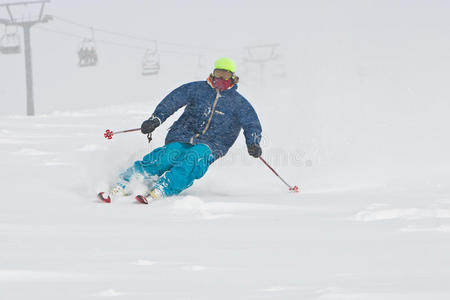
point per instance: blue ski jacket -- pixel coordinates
(210, 117)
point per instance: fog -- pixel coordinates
(353, 82)
(354, 102)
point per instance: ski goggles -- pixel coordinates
(224, 74)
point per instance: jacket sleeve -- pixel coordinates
(172, 102)
(249, 122)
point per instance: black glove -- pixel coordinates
(149, 125)
(254, 150)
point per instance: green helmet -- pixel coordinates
(225, 63)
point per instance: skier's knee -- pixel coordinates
(200, 158)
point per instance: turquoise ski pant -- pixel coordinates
(176, 164)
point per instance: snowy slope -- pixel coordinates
(236, 234)
(359, 120)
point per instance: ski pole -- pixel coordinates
(291, 188)
(109, 133)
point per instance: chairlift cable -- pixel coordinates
(61, 32)
(104, 30)
(131, 36)
(116, 43)
(82, 37)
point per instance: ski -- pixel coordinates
(141, 199)
(144, 198)
(102, 198)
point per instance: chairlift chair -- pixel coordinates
(150, 63)
(10, 43)
(87, 53)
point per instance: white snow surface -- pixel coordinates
(236, 234)
(355, 111)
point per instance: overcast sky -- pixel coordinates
(326, 45)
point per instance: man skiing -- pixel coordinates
(212, 119)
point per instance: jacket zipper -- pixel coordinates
(212, 113)
(209, 120)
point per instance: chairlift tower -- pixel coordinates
(261, 55)
(26, 24)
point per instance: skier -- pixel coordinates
(213, 117)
